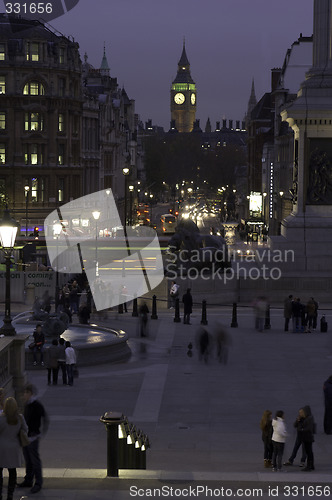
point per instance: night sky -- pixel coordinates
(228, 43)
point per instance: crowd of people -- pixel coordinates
(303, 315)
(59, 356)
(274, 436)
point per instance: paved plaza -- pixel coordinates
(202, 419)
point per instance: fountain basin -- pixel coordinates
(93, 344)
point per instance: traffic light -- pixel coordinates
(36, 232)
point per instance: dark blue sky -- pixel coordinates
(228, 43)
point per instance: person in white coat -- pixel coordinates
(278, 440)
(70, 362)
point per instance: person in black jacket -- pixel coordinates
(306, 431)
(187, 306)
(298, 442)
(327, 388)
(297, 311)
(267, 431)
(37, 422)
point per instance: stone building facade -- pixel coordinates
(66, 128)
(40, 119)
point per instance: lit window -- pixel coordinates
(61, 154)
(62, 55)
(61, 184)
(2, 154)
(33, 88)
(2, 120)
(33, 154)
(33, 122)
(34, 189)
(61, 122)
(2, 84)
(32, 51)
(2, 52)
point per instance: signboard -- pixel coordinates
(255, 202)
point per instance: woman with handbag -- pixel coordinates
(11, 456)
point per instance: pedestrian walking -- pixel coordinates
(298, 442)
(278, 440)
(37, 422)
(203, 344)
(222, 341)
(123, 297)
(267, 431)
(11, 456)
(288, 307)
(52, 363)
(74, 298)
(39, 341)
(311, 311)
(70, 362)
(62, 360)
(187, 306)
(260, 308)
(307, 430)
(327, 389)
(143, 319)
(174, 293)
(297, 309)
(314, 323)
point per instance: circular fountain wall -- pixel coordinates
(93, 344)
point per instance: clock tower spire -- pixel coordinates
(183, 96)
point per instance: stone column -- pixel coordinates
(322, 40)
(17, 367)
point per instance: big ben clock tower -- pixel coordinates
(183, 96)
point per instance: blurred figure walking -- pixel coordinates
(203, 344)
(143, 318)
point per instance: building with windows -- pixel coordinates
(66, 128)
(40, 119)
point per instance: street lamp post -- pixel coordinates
(264, 206)
(26, 189)
(131, 189)
(57, 228)
(96, 215)
(151, 214)
(8, 231)
(126, 172)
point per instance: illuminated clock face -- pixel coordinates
(193, 99)
(179, 98)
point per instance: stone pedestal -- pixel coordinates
(309, 236)
(308, 230)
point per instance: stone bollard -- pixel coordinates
(234, 316)
(135, 309)
(154, 308)
(204, 320)
(112, 420)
